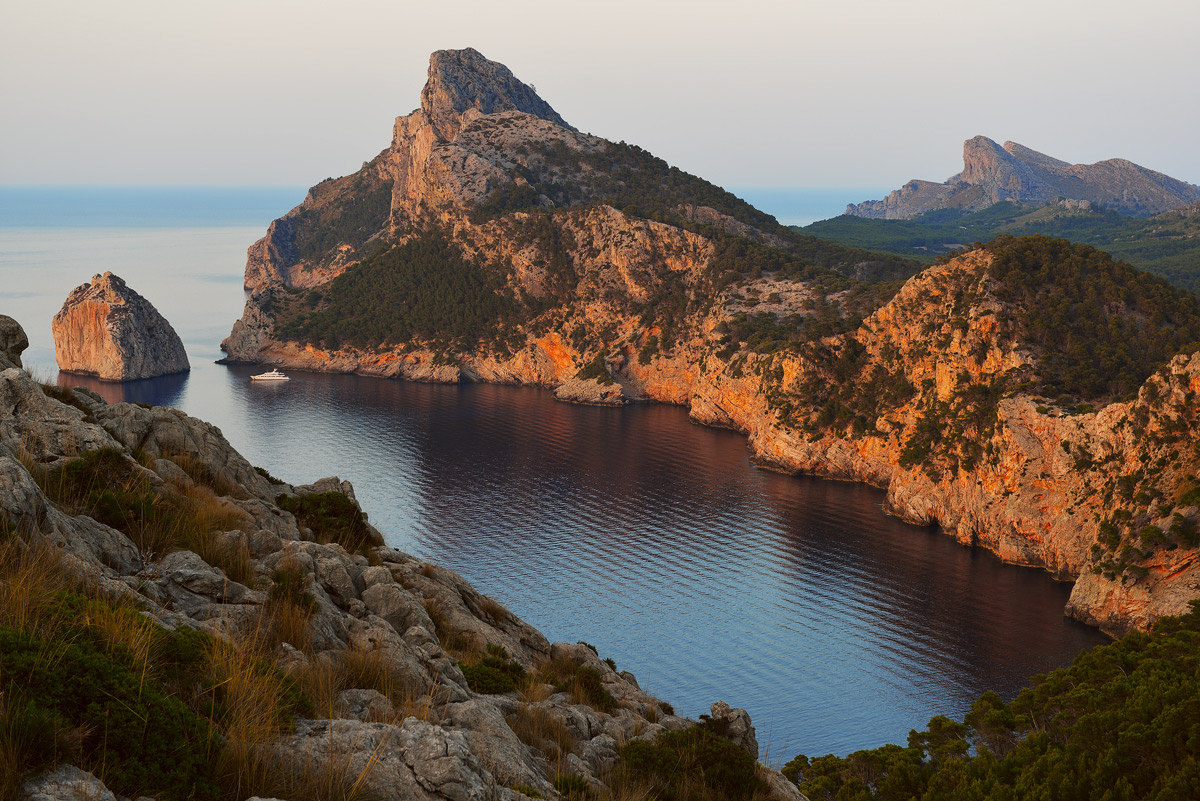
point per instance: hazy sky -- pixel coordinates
(742, 92)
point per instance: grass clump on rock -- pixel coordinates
(332, 517)
(494, 674)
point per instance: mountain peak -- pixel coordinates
(460, 80)
(992, 173)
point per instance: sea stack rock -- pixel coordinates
(107, 330)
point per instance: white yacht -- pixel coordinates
(274, 375)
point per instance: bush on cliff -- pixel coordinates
(1122, 722)
(1101, 326)
(692, 764)
(333, 518)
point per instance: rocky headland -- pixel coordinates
(1031, 397)
(108, 330)
(1016, 173)
(265, 642)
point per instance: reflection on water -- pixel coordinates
(165, 390)
(655, 540)
(837, 627)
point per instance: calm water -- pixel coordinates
(654, 539)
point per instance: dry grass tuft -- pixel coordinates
(372, 670)
(284, 621)
(493, 609)
(559, 670)
(30, 577)
(533, 688)
(428, 571)
(538, 728)
(204, 476)
(623, 786)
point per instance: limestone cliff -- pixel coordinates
(384, 659)
(988, 394)
(992, 173)
(108, 330)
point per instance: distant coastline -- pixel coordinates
(209, 206)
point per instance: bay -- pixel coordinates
(654, 539)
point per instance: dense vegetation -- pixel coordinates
(346, 210)
(694, 763)
(424, 289)
(620, 175)
(1122, 722)
(1167, 244)
(1100, 326)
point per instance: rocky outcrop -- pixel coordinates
(13, 342)
(460, 80)
(434, 737)
(108, 330)
(992, 173)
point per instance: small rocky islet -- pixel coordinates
(108, 330)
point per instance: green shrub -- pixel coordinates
(136, 738)
(495, 674)
(596, 369)
(1121, 722)
(333, 518)
(680, 763)
(262, 471)
(586, 682)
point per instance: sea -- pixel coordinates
(655, 540)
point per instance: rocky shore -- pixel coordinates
(417, 685)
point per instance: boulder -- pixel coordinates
(12, 342)
(735, 726)
(108, 330)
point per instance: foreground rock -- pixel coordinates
(992, 173)
(108, 330)
(432, 736)
(13, 342)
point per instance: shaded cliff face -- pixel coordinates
(108, 330)
(593, 269)
(992, 173)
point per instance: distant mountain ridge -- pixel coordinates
(992, 174)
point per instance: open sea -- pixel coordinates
(654, 539)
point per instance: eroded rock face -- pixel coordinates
(992, 173)
(108, 330)
(463, 79)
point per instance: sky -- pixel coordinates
(741, 92)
